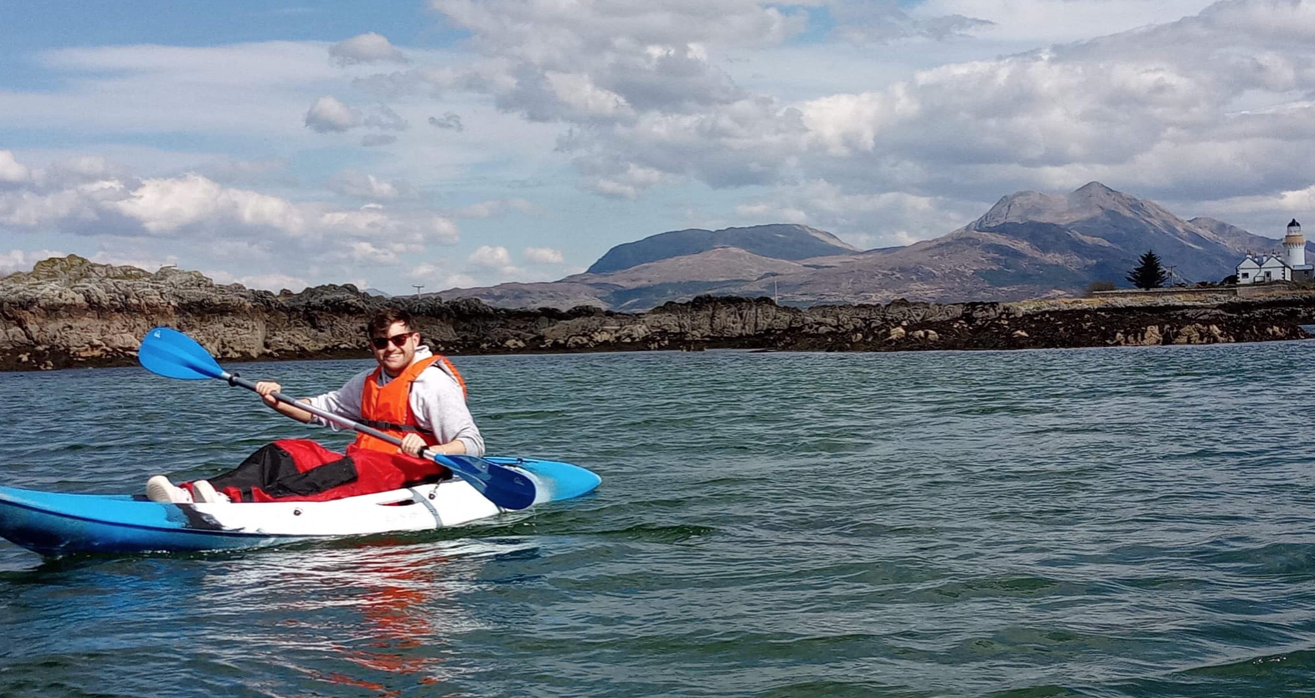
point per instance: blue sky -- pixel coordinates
(460, 143)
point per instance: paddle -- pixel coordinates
(173, 354)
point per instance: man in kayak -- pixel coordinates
(413, 394)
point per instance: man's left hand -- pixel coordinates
(412, 445)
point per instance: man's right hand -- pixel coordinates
(266, 390)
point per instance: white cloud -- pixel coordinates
(230, 170)
(366, 48)
(495, 207)
(22, 260)
(459, 281)
(544, 255)
(328, 115)
(404, 231)
(12, 170)
(358, 184)
(170, 204)
(1053, 21)
(444, 230)
(384, 118)
(423, 271)
(491, 256)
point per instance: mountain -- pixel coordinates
(1029, 245)
(792, 242)
(1032, 245)
(676, 265)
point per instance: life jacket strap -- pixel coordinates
(389, 426)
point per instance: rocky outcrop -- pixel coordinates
(72, 312)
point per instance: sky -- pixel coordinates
(458, 143)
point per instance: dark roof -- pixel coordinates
(1294, 222)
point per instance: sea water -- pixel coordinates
(1102, 522)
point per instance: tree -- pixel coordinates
(1149, 273)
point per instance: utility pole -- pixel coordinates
(417, 287)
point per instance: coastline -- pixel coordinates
(70, 313)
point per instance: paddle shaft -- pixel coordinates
(244, 383)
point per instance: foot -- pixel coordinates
(205, 493)
(159, 489)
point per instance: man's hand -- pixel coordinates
(266, 389)
(412, 445)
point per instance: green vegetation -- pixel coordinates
(1149, 273)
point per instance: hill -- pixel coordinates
(791, 242)
(1028, 245)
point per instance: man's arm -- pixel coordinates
(345, 402)
(266, 389)
(440, 408)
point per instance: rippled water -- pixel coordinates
(1128, 522)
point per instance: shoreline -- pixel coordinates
(70, 313)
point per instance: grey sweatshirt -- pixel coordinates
(436, 400)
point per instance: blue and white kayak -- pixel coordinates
(55, 524)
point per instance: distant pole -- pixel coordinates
(417, 287)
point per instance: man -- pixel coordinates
(413, 394)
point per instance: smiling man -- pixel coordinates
(413, 394)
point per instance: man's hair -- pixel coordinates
(383, 319)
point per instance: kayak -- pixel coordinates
(55, 524)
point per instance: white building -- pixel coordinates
(1291, 266)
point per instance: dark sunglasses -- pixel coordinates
(398, 340)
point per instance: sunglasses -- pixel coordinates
(398, 340)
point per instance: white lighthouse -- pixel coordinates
(1294, 246)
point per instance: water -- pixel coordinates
(1129, 522)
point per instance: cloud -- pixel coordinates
(199, 216)
(328, 115)
(403, 231)
(11, 170)
(366, 48)
(384, 118)
(544, 255)
(865, 220)
(21, 260)
(358, 184)
(371, 140)
(861, 21)
(1053, 21)
(450, 121)
(491, 256)
(495, 207)
(194, 201)
(230, 171)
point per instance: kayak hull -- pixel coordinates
(55, 524)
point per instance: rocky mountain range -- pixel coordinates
(70, 312)
(1029, 245)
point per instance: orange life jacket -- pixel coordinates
(388, 408)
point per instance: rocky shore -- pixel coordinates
(69, 312)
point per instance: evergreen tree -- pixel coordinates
(1149, 273)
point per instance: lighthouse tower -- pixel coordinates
(1294, 246)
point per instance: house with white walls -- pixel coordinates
(1290, 266)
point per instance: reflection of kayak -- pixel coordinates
(56, 524)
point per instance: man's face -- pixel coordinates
(399, 347)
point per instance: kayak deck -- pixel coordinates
(55, 524)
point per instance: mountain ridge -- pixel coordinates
(1028, 245)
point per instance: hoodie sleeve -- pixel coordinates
(439, 405)
(345, 402)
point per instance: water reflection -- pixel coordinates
(379, 615)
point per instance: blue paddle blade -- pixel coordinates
(173, 354)
(503, 486)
